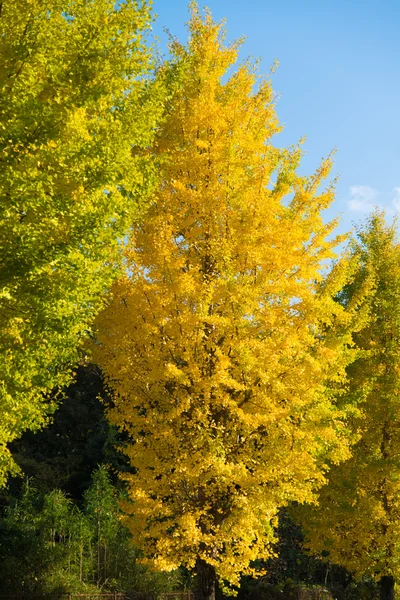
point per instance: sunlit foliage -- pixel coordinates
(357, 521)
(223, 340)
(74, 101)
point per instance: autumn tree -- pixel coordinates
(75, 105)
(357, 521)
(216, 342)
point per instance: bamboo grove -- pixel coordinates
(151, 224)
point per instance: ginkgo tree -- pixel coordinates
(357, 521)
(223, 340)
(75, 105)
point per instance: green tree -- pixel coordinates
(19, 542)
(80, 559)
(48, 545)
(223, 340)
(75, 103)
(357, 520)
(115, 563)
(101, 506)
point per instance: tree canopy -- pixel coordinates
(223, 341)
(148, 217)
(356, 523)
(75, 101)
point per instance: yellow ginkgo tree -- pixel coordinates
(75, 105)
(357, 521)
(223, 342)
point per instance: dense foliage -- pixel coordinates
(250, 376)
(74, 100)
(61, 461)
(359, 509)
(50, 546)
(60, 528)
(223, 340)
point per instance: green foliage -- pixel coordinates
(75, 99)
(50, 546)
(101, 508)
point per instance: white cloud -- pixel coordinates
(396, 199)
(363, 198)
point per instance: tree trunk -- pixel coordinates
(386, 588)
(206, 581)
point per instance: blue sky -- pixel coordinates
(338, 81)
